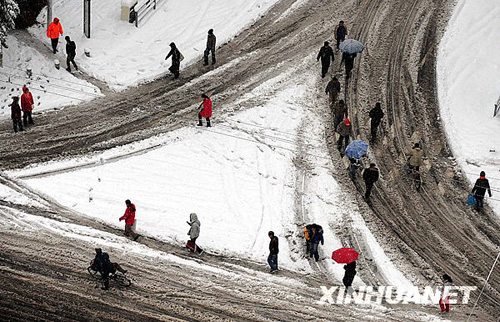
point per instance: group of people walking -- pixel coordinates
(54, 30)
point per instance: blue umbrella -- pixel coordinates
(351, 46)
(356, 149)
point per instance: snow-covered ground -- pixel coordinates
(240, 177)
(469, 85)
(51, 88)
(123, 55)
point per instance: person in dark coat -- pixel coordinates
(479, 190)
(15, 111)
(211, 41)
(370, 176)
(205, 110)
(350, 272)
(71, 52)
(325, 53)
(348, 59)
(344, 130)
(316, 238)
(104, 266)
(339, 110)
(272, 259)
(176, 60)
(340, 33)
(376, 114)
(333, 90)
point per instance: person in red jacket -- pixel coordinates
(206, 110)
(129, 217)
(53, 31)
(27, 105)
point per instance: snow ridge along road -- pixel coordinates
(434, 230)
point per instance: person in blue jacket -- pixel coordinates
(316, 238)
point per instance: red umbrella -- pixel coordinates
(345, 255)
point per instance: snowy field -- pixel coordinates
(469, 85)
(51, 88)
(240, 177)
(123, 55)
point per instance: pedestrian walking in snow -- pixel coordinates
(340, 33)
(194, 233)
(370, 176)
(350, 272)
(53, 31)
(348, 59)
(129, 218)
(325, 53)
(339, 110)
(344, 130)
(333, 90)
(444, 301)
(479, 190)
(15, 110)
(316, 238)
(71, 52)
(205, 110)
(211, 41)
(416, 159)
(27, 105)
(272, 259)
(307, 236)
(376, 114)
(176, 60)
(104, 266)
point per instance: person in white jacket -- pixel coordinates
(194, 233)
(444, 301)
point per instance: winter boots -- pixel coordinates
(200, 123)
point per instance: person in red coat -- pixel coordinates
(16, 114)
(206, 110)
(27, 104)
(129, 218)
(53, 31)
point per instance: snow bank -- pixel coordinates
(468, 69)
(51, 88)
(123, 55)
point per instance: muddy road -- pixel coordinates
(433, 230)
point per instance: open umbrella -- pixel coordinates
(356, 149)
(345, 255)
(351, 46)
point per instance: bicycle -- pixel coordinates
(118, 277)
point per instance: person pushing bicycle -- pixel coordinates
(104, 266)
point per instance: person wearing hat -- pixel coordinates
(325, 53)
(53, 31)
(344, 130)
(205, 110)
(194, 233)
(370, 176)
(479, 190)
(27, 105)
(129, 218)
(211, 40)
(176, 60)
(15, 111)
(71, 52)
